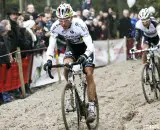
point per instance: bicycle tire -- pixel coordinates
(156, 78)
(73, 123)
(147, 77)
(94, 124)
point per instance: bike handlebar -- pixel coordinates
(132, 51)
(68, 65)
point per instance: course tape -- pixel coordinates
(32, 50)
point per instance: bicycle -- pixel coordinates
(74, 102)
(150, 76)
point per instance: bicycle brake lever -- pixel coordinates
(49, 73)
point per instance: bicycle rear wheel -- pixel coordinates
(150, 82)
(70, 108)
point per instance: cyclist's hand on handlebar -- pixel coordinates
(47, 65)
(82, 58)
(134, 49)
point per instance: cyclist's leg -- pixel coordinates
(67, 59)
(145, 46)
(91, 93)
(89, 69)
(90, 83)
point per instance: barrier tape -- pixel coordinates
(32, 50)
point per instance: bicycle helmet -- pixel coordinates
(144, 14)
(64, 11)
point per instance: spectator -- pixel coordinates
(29, 24)
(14, 33)
(49, 21)
(133, 22)
(96, 30)
(78, 12)
(42, 39)
(110, 25)
(5, 45)
(41, 20)
(85, 14)
(125, 26)
(31, 11)
(104, 33)
(4, 49)
(48, 10)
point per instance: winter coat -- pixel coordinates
(4, 49)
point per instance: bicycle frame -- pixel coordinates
(76, 101)
(73, 72)
(78, 70)
(150, 74)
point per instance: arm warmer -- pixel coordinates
(90, 46)
(51, 47)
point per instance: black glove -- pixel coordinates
(82, 58)
(48, 64)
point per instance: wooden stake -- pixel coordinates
(19, 60)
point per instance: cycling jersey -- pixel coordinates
(77, 37)
(149, 32)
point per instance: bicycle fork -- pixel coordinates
(81, 104)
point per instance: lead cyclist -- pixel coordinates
(79, 47)
(146, 27)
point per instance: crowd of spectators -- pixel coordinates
(31, 29)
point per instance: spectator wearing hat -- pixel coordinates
(29, 24)
(14, 33)
(41, 20)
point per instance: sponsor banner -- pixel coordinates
(109, 51)
(117, 50)
(39, 76)
(101, 53)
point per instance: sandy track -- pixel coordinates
(122, 104)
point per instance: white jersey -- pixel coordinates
(77, 33)
(74, 34)
(149, 32)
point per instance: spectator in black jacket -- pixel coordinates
(4, 46)
(14, 33)
(125, 26)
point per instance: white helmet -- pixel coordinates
(64, 11)
(144, 14)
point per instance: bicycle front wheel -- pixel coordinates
(69, 108)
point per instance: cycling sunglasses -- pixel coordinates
(64, 20)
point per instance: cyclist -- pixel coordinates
(79, 47)
(146, 27)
